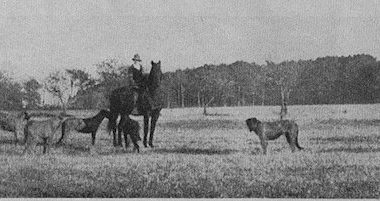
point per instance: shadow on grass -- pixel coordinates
(8, 141)
(217, 115)
(11, 152)
(337, 123)
(199, 124)
(195, 151)
(72, 149)
(348, 140)
(350, 150)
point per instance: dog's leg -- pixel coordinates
(291, 141)
(264, 143)
(15, 134)
(28, 144)
(45, 139)
(135, 144)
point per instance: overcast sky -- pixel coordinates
(40, 36)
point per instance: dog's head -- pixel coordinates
(252, 124)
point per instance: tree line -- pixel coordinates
(327, 80)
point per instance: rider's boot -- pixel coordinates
(135, 97)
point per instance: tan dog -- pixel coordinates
(273, 130)
(13, 122)
(44, 130)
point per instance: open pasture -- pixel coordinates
(209, 156)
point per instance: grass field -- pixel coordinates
(209, 156)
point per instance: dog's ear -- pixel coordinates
(249, 124)
(256, 121)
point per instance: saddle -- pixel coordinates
(144, 101)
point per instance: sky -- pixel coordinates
(41, 36)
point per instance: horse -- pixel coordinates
(149, 105)
(87, 125)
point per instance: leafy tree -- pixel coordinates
(80, 79)
(85, 87)
(31, 94)
(11, 94)
(113, 74)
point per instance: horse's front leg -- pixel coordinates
(146, 129)
(114, 137)
(153, 122)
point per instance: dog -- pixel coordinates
(273, 130)
(37, 130)
(87, 125)
(132, 128)
(14, 122)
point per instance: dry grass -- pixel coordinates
(213, 156)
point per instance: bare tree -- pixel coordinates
(285, 75)
(60, 85)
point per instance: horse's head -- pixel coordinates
(155, 75)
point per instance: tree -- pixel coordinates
(59, 85)
(11, 94)
(85, 88)
(113, 74)
(31, 94)
(80, 79)
(285, 75)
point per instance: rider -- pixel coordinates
(135, 73)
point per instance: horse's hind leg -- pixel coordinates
(146, 129)
(112, 126)
(93, 135)
(120, 130)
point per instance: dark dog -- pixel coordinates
(132, 128)
(273, 130)
(88, 125)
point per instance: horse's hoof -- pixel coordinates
(151, 145)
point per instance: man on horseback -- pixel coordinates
(136, 80)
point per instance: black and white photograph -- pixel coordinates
(190, 99)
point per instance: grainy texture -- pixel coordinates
(191, 159)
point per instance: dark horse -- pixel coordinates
(149, 105)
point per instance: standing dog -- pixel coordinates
(44, 130)
(132, 128)
(13, 122)
(273, 130)
(88, 125)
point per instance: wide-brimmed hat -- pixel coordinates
(136, 57)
